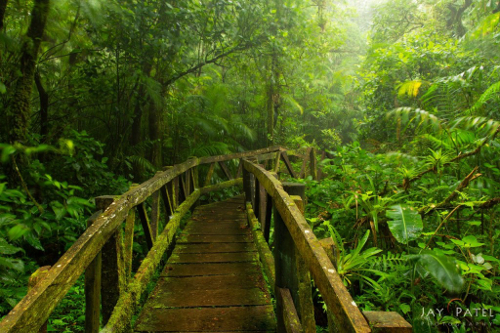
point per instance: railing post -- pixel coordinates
(247, 185)
(266, 219)
(155, 212)
(288, 264)
(93, 289)
(34, 279)
(112, 277)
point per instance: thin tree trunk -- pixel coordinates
(155, 134)
(20, 103)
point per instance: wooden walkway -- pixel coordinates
(213, 281)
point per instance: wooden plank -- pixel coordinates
(184, 258)
(288, 164)
(290, 317)
(387, 322)
(215, 248)
(201, 269)
(164, 299)
(250, 318)
(233, 281)
(221, 228)
(93, 289)
(146, 226)
(329, 283)
(193, 238)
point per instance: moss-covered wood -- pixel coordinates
(290, 317)
(387, 322)
(128, 301)
(336, 296)
(265, 254)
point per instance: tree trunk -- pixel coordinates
(20, 102)
(155, 134)
(44, 107)
(3, 8)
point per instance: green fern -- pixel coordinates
(492, 93)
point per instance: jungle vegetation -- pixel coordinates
(403, 96)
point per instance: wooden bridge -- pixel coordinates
(220, 273)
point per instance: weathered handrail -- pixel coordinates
(329, 283)
(297, 250)
(35, 308)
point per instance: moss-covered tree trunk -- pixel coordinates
(20, 103)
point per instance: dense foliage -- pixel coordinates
(402, 95)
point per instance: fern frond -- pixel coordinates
(142, 163)
(423, 117)
(388, 261)
(210, 149)
(437, 142)
(493, 92)
(483, 125)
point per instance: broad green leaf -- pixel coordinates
(443, 269)
(6, 248)
(405, 223)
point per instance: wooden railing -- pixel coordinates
(298, 255)
(104, 251)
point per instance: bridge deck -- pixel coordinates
(213, 281)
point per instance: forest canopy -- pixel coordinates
(402, 97)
